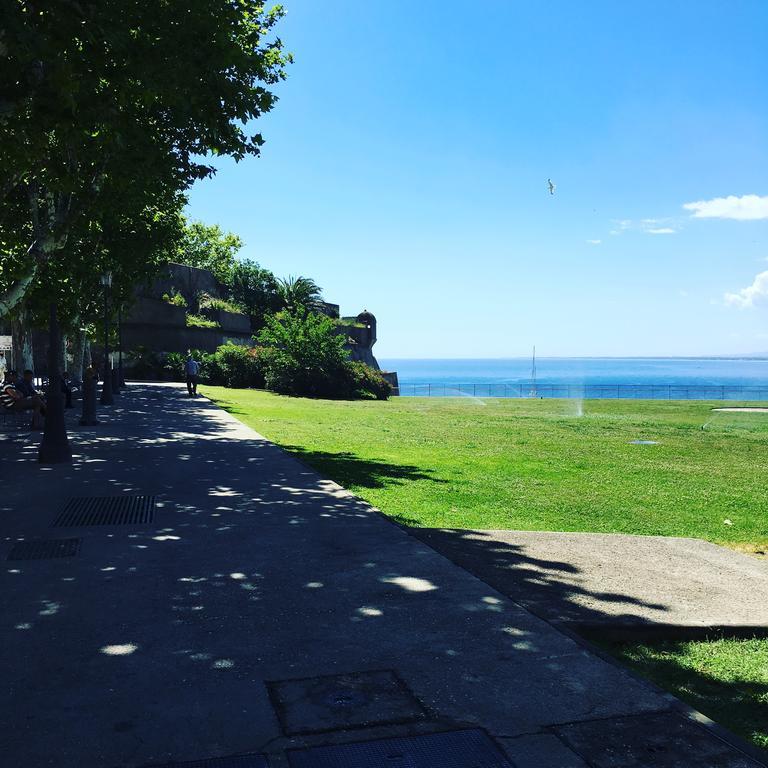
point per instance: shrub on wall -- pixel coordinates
(175, 298)
(198, 321)
(208, 304)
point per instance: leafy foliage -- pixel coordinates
(176, 299)
(255, 289)
(198, 321)
(367, 383)
(299, 293)
(207, 302)
(110, 112)
(207, 246)
(303, 356)
(238, 366)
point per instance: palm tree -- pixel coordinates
(299, 293)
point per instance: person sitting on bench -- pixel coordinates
(26, 385)
(13, 399)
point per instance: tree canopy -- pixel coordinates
(102, 101)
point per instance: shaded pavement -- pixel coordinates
(172, 640)
(619, 585)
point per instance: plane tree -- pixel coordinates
(95, 92)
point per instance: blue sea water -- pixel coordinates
(677, 378)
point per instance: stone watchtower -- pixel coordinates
(367, 319)
(361, 336)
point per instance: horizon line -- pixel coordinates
(594, 357)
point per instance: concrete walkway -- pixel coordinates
(173, 640)
(624, 586)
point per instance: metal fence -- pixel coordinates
(590, 391)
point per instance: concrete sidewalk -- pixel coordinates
(173, 640)
(619, 585)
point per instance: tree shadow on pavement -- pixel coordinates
(552, 589)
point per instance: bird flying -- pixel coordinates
(552, 187)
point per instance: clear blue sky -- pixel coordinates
(406, 164)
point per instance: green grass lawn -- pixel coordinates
(727, 680)
(533, 464)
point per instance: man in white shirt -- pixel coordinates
(192, 368)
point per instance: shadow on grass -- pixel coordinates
(348, 469)
(740, 704)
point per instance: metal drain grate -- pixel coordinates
(455, 749)
(106, 510)
(44, 549)
(241, 761)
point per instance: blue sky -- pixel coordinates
(406, 164)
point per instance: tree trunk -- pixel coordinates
(63, 354)
(13, 296)
(21, 331)
(55, 446)
(78, 357)
(87, 355)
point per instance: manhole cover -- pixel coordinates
(106, 510)
(44, 549)
(456, 749)
(317, 704)
(241, 761)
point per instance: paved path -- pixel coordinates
(168, 641)
(626, 585)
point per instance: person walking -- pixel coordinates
(192, 368)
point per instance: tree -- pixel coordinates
(299, 293)
(256, 290)
(125, 89)
(96, 95)
(207, 246)
(304, 355)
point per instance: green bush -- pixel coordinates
(236, 366)
(173, 366)
(144, 363)
(175, 298)
(305, 355)
(198, 321)
(366, 382)
(213, 303)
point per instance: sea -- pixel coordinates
(584, 377)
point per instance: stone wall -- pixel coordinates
(188, 281)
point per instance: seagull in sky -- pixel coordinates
(552, 187)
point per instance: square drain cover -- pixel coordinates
(241, 761)
(456, 749)
(106, 510)
(44, 549)
(336, 702)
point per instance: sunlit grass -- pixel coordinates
(533, 464)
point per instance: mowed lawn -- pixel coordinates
(533, 464)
